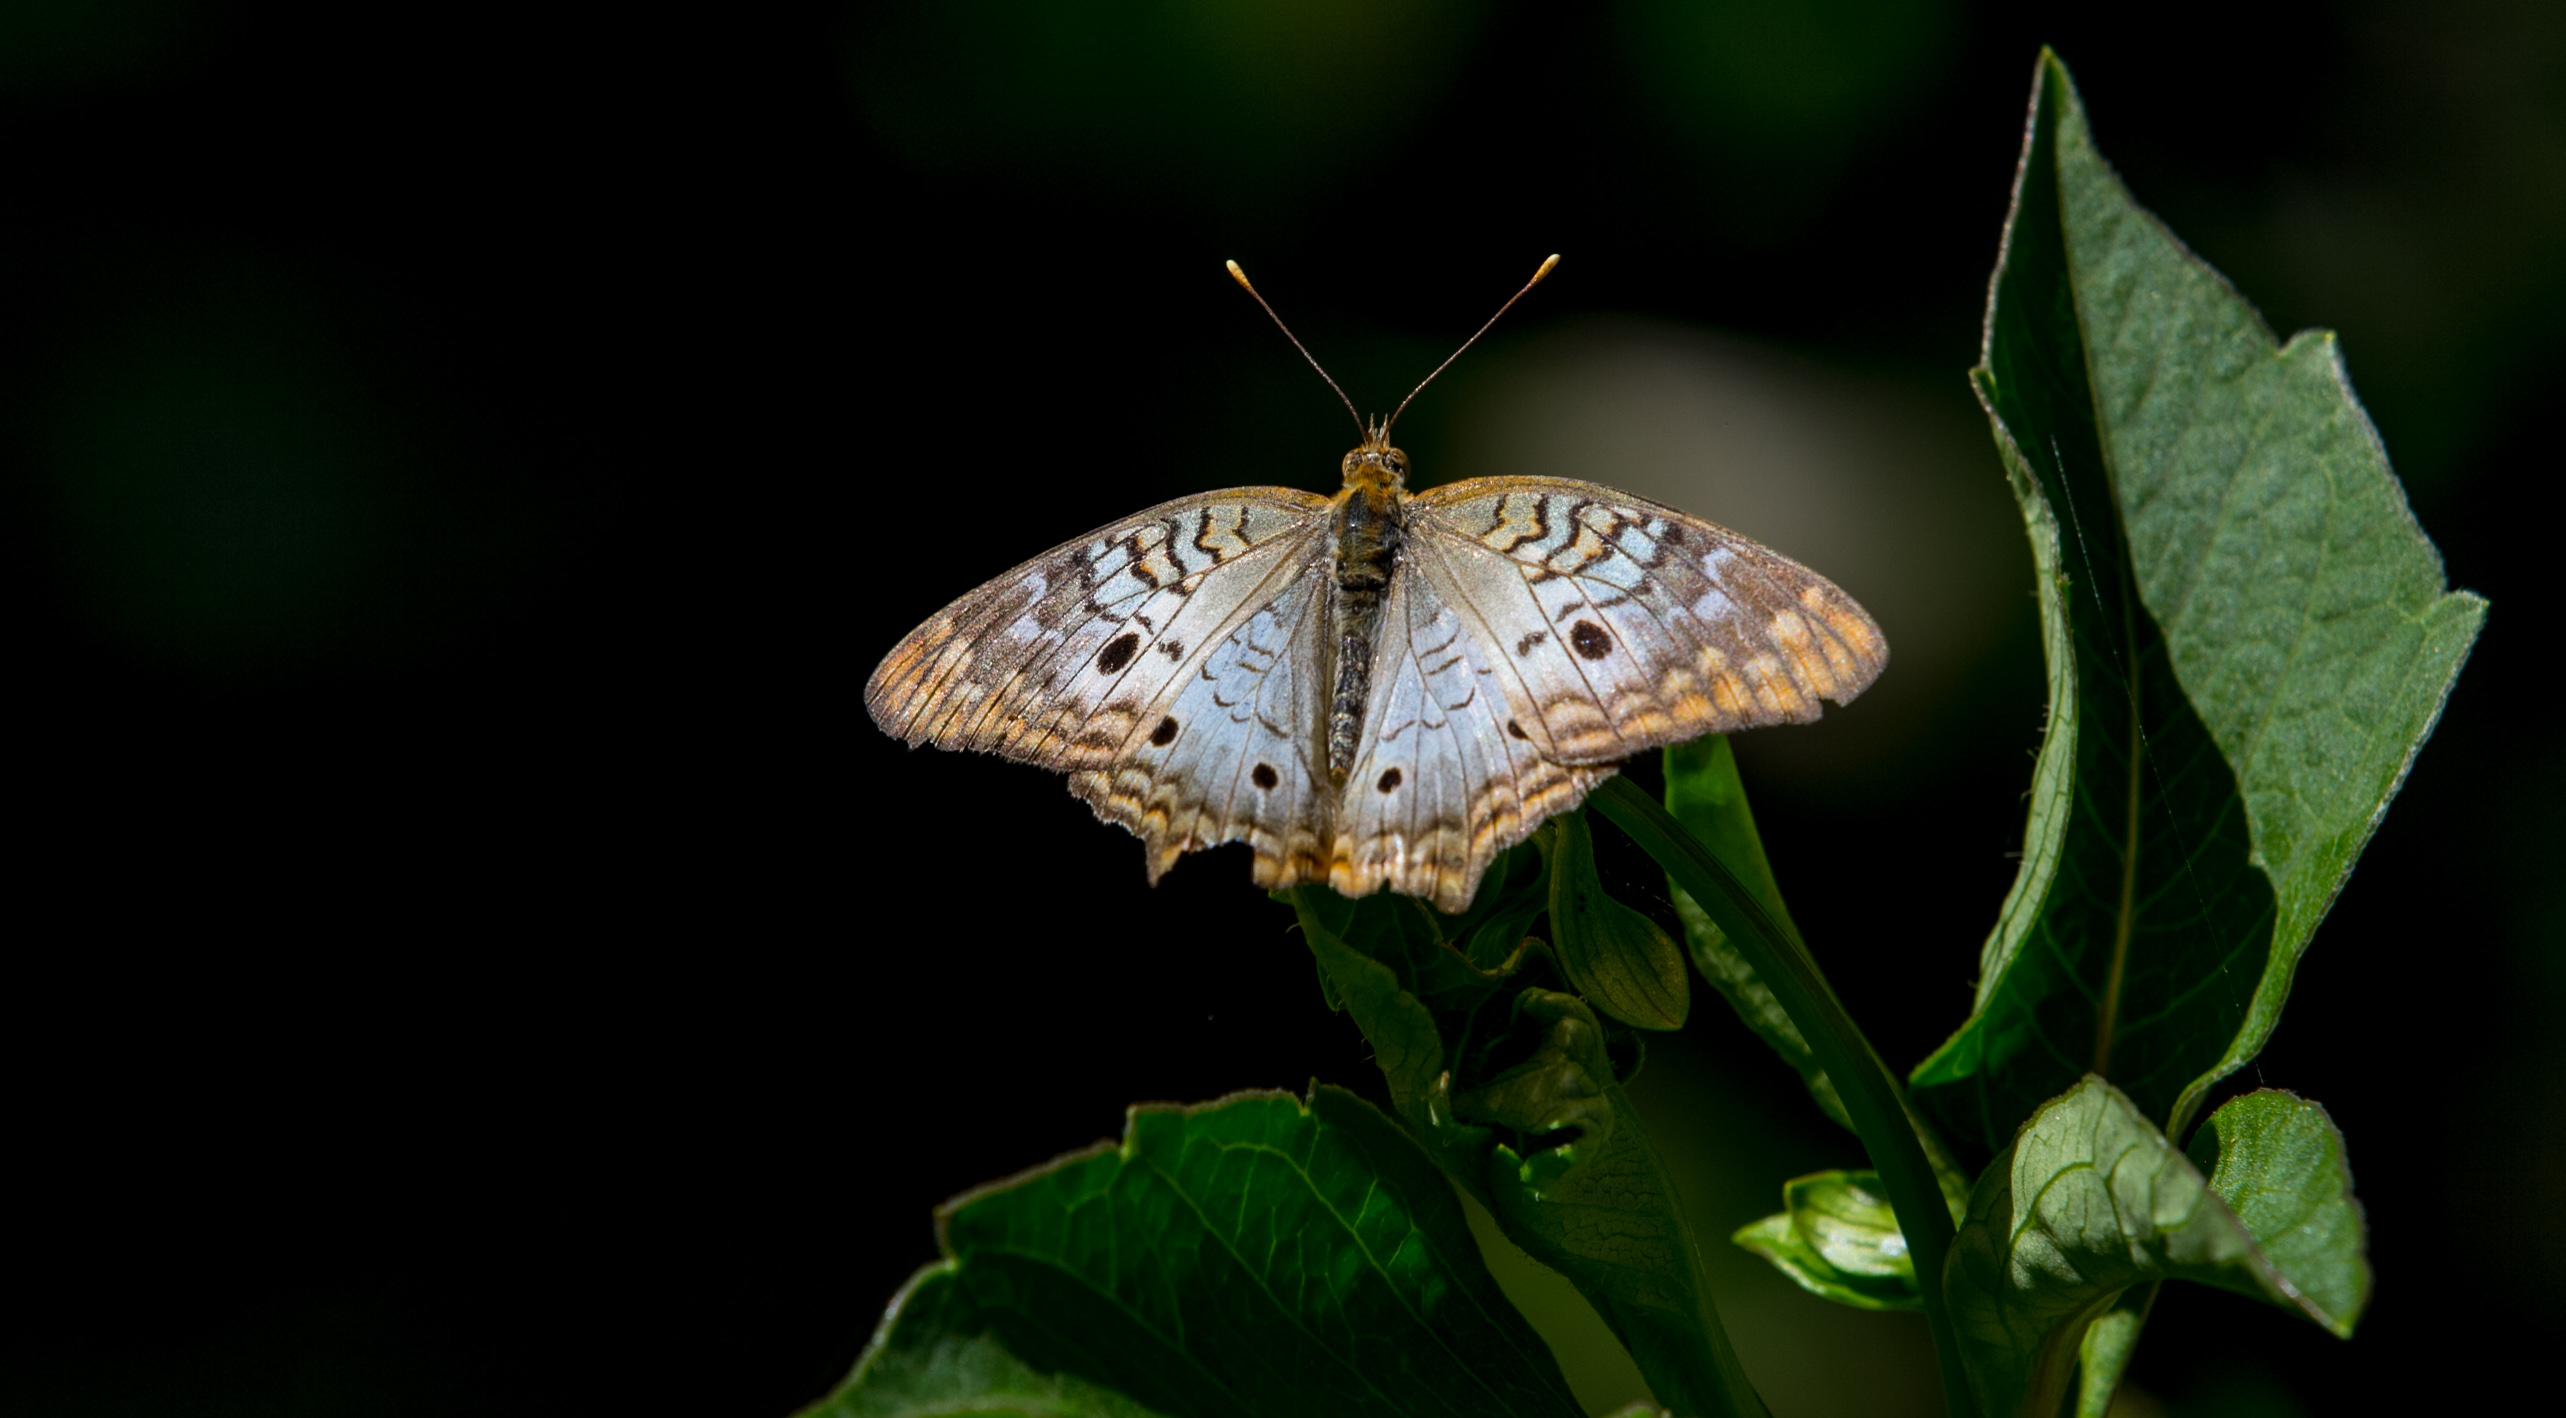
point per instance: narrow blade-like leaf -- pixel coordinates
(1257, 1255)
(1703, 793)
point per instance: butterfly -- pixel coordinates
(1379, 688)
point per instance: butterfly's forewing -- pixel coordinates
(1438, 786)
(1232, 749)
(1622, 625)
(1058, 661)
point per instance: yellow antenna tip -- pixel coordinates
(1241, 276)
(1545, 266)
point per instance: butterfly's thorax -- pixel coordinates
(1370, 526)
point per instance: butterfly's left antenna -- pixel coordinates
(1241, 277)
(1466, 344)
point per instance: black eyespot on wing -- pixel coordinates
(1264, 777)
(1118, 652)
(1590, 640)
(1390, 780)
(1164, 734)
(1517, 730)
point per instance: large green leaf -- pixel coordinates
(2090, 1201)
(2248, 642)
(1256, 1255)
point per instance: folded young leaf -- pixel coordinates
(1614, 956)
(1836, 1236)
(2277, 1160)
(1257, 1255)
(1401, 1029)
(2090, 1200)
(2248, 641)
(1703, 793)
(1609, 1219)
(1597, 1206)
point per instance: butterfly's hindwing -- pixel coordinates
(1624, 625)
(1232, 751)
(1438, 786)
(1055, 661)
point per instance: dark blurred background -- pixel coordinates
(473, 953)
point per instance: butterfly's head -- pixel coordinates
(1377, 465)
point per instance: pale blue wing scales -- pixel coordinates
(1439, 784)
(1232, 752)
(1055, 661)
(1625, 625)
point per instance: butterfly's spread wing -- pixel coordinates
(1057, 661)
(1620, 625)
(1171, 663)
(1438, 785)
(1232, 750)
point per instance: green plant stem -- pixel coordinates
(1871, 1095)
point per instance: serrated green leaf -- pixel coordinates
(1837, 1237)
(2277, 1160)
(1703, 792)
(1256, 1255)
(2248, 641)
(1616, 957)
(2089, 1201)
(931, 1359)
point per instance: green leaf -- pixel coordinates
(2277, 1160)
(1563, 1087)
(2248, 641)
(1837, 1236)
(1616, 957)
(2089, 1201)
(1250, 1256)
(931, 1358)
(1401, 1030)
(1703, 793)
(2103, 1356)
(1584, 1192)
(1603, 1212)
(1899, 1144)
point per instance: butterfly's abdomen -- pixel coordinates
(1370, 530)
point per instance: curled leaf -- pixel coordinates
(1614, 956)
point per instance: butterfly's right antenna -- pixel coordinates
(1474, 339)
(1241, 277)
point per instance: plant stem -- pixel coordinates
(1871, 1094)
